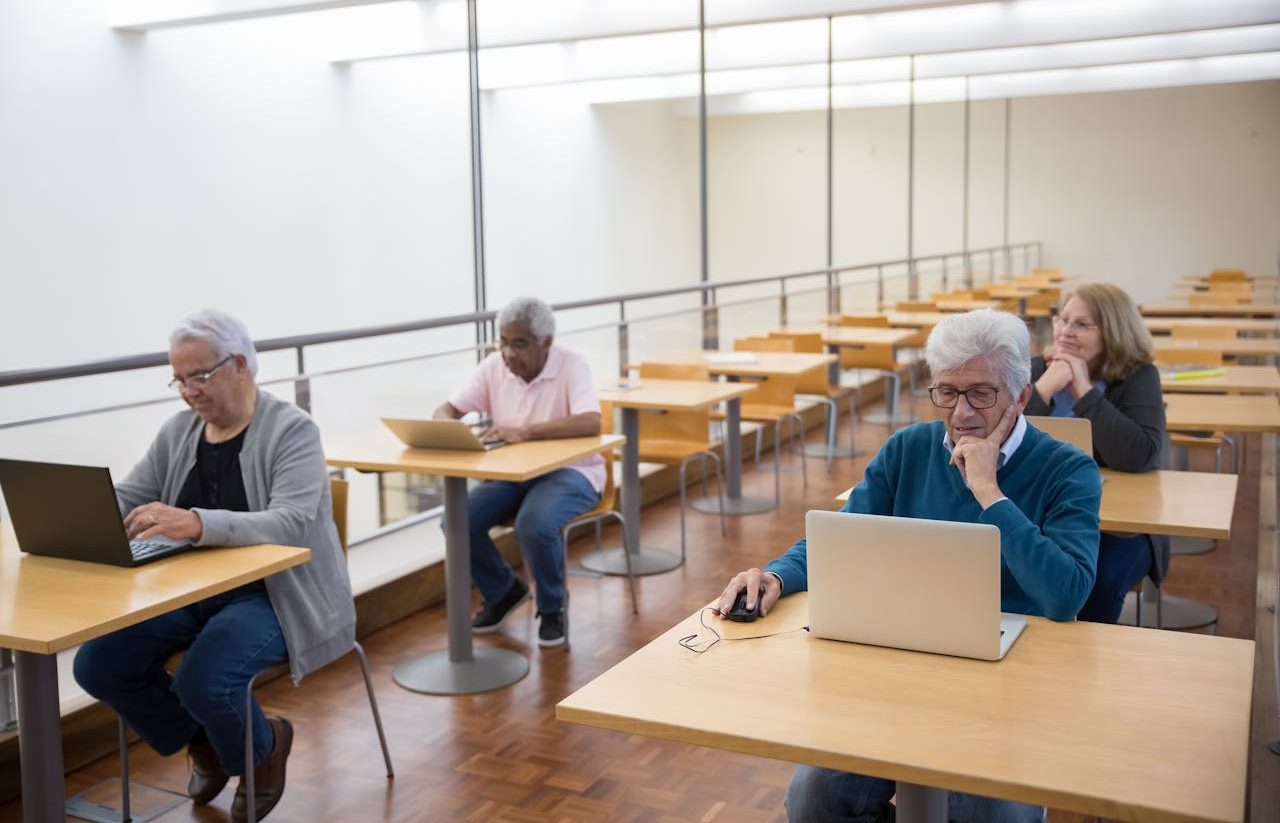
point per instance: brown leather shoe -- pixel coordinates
(268, 776)
(207, 775)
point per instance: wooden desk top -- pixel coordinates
(1006, 292)
(1186, 309)
(379, 451)
(48, 604)
(1222, 412)
(1051, 724)
(965, 305)
(672, 394)
(856, 335)
(1248, 346)
(897, 319)
(1238, 379)
(1178, 504)
(1164, 325)
(767, 363)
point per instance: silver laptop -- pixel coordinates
(438, 434)
(925, 585)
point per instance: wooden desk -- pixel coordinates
(1178, 504)
(763, 365)
(663, 395)
(858, 337)
(897, 319)
(1236, 380)
(1051, 724)
(1164, 325)
(48, 605)
(1176, 309)
(965, 305)
(1240, 346)
(462, 669)
(1211, 412)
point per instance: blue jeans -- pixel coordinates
(827, 796)
(1122, 561)
(228, 639)
(541, 507)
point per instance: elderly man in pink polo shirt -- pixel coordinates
(532, 390)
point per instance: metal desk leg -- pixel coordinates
(39, 736)
(921, 804)
(734, 502)
(643, 561)
(461, 669)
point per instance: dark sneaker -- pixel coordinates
(551, 629)
(490, 618)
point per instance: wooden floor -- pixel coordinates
(503, 757)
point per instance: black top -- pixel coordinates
(215, 481)
(1128, 431)
(1127, 418)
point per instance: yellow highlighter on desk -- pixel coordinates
(1196, 372)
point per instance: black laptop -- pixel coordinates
(67, 511)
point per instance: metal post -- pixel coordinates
(1008, 110)
(879, 288)
(968, 270)
(302, 387)
(913, 286)
(710, 321)
(782, 303)
(477, 176)
(8, 703)
(40, 753)
(457, 531)
(702, 167)
(624, 346)
(833, 301)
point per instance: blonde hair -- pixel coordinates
(1126, 343)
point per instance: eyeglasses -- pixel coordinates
(195, 381)
(979, 397)
(1075, 326)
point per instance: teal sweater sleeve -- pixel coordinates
(874, 495)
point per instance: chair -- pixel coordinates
(773, 401)
(1227, 275)
(677, 437)
(1173, 355)
(915, 305)
(882, 360)
(1204, 332)
(817, 386)
(603, 510)
(338, 490)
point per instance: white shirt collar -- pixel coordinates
(1007, 448)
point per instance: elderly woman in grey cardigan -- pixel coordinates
(1100, 368)
(236, 468)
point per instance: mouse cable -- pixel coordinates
(691, 642)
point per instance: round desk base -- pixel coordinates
(740, 505)
(434, 673)
(879, 418)
(839, 452)
(1191, 545)
(643, 562)
(1179, 612)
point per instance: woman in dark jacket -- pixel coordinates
(1100, 368)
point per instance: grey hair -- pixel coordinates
(532, 312)
(998, 337)
(225, 334)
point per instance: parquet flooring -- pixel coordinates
(503, 757)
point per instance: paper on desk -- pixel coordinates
(731, 358)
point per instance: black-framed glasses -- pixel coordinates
(978, 397)
(195, 381)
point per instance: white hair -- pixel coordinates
(998, 337)
(226, 335)
(533, 313)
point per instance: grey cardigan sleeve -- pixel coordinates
(298, 479)
(1128, 421)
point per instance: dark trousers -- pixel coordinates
(228, 639)
(1122, 562)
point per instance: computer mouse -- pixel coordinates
(740, 612)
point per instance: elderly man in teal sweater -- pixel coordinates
(981, 463)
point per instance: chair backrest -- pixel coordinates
(913, 305)
(675, 371)
(1222, 275)
(1205, 332)
(1217, 298)
(1174, 355)
(1077, 431)
(874, 321)
(764, 344)
(338, 491)
(805, 342)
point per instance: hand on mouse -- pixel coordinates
(753, 580)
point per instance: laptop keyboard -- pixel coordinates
(142, 549)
